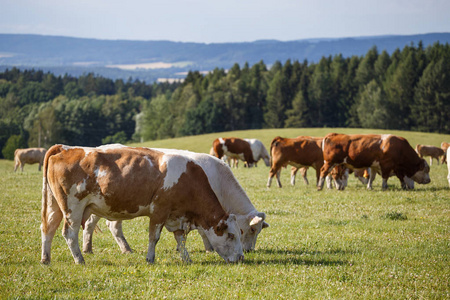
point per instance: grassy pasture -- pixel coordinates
(351, 244)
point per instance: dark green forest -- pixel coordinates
(406, 90)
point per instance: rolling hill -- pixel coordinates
(149, 60)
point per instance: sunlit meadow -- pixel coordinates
(351, 244)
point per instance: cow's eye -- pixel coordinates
(252, 230)
(231, 236)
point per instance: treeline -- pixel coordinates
(406, 90)
(41, 109)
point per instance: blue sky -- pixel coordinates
(214, 21)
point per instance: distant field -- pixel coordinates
(352, 244)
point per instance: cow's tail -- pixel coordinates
(273, 144)
(45, 188)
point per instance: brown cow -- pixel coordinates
(444, 147)
(302, 151)
(28, 156)
(119, 183)
(431, 151)
(299, 152)
(387, 154)
(234, 148)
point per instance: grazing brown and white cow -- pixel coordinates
(444, 147)
(120, 183)
(234, 148)
(229, 192)
(28, 156)
(299, 152)
(431, 151)
(387, 154)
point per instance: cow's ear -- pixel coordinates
(256, 219)
(265, 225)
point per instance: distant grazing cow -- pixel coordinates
(444, 147)
(299, 152)
(259, 151)
(388, 154)
(234, 148)
(448, 166)
(431, 151)
(229, 192)
(119, 183)
(28, 156)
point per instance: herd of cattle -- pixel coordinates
(184, 191)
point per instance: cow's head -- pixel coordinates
(422, 176)
(340, 176)
(267, 161)
(226, 239)
(251, 225)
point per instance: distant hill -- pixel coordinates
(149, 60)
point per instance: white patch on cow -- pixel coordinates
(149, 161)
(345, 160)
(152, 206)
(221, 140)
(385, 136)
(110, 146)
(81, 187)
(175, 166)
(99, 173)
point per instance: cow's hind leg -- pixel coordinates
(53, 218)
(180, 236)
(116, 230)
(88, 233)
(153, 238)
(72, 224)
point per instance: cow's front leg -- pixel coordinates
(324, 171)
(384, 184)
(116, 230)
(180, 236)
(206, 243)
(372, 175)
(154, 234)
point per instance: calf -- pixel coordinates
(120, 183)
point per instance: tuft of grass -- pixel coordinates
(393, 215)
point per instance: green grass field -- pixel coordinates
(352, 244)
